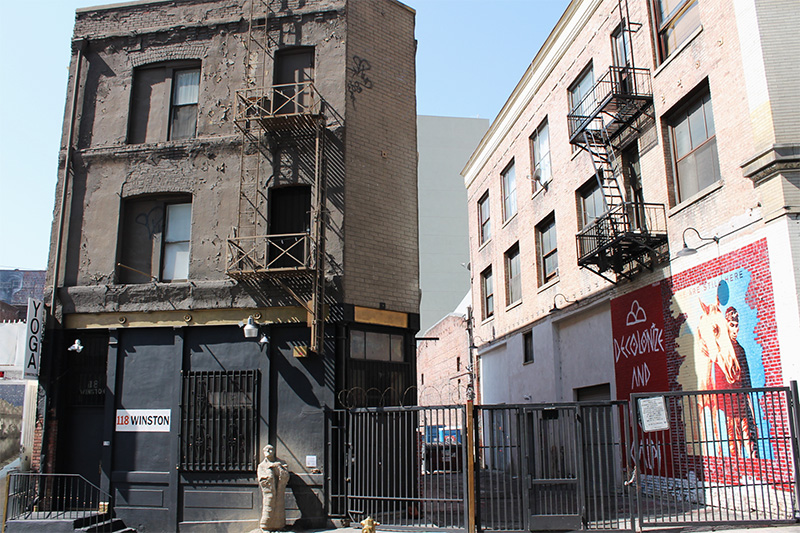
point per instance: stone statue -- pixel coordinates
(368, 525)
(273, 476)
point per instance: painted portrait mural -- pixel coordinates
(723, 320)
(720, 334)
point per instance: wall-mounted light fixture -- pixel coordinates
(537, 177)
(687, 250)
(76, 346)
(250, 328)
(567, 301)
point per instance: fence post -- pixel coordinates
(5, 505)
(794, 418)
(470, 443)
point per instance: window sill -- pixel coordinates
(678, 51)
(487, 320)
(484, 244)
(542, 188)
(699, 195)
(514, 304)
(525, 363)
(547, 285)
(508, 221)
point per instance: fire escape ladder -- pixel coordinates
(319, 215)
(630, 233)
(272, 118)
(606, 170)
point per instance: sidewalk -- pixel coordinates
(793, 528)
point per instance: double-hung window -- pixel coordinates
(694, 147)
(509, 192)
(185, 93)
(547, 249)
(540, 155)
(164, 103)
(155, 240)
(581, 94)
(590, 202)
(485, 230)
(513, 275)
(487, 293)
(676, 21)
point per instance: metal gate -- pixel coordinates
(403, 466)
(725, 456)
(588, 465)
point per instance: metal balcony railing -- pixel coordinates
(34, 496)
(622, 234)
(264, 254)
(277, 101)
(620, 94)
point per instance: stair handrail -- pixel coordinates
(40, 496)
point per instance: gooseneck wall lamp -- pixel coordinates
(687, 250)
(567, 301)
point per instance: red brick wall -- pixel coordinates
(437, 362)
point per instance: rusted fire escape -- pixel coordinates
(606, 120)
(272, 117)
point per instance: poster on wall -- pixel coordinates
(637, 323)
(726, 339)
(640, 364)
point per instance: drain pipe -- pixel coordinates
(60, 237)
(65, 176)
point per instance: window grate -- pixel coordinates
(219, 421)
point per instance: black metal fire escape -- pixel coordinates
(607, 119)
(271, 117)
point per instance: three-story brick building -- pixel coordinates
(643, 131)
(225, 260)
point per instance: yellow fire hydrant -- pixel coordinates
(368, 525)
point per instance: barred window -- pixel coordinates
(219, 421)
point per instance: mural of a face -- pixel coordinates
(715, 341)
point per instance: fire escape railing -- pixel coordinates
(640, 226)
(619, 94)
(268, 253)
(275, 101)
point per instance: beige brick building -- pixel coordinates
(641, 127)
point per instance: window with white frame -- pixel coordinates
(540, 155)
(485, 229)
(509, 192)
(694, 147)
(164, 102)
(155, 240)
(547, 249)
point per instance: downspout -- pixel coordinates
(65, 177)
(60, 237)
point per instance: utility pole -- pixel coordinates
(471, 359)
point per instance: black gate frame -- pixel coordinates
(523, 483)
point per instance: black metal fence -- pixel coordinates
(570, 466)
(726, 457)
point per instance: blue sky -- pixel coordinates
(470, 56)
